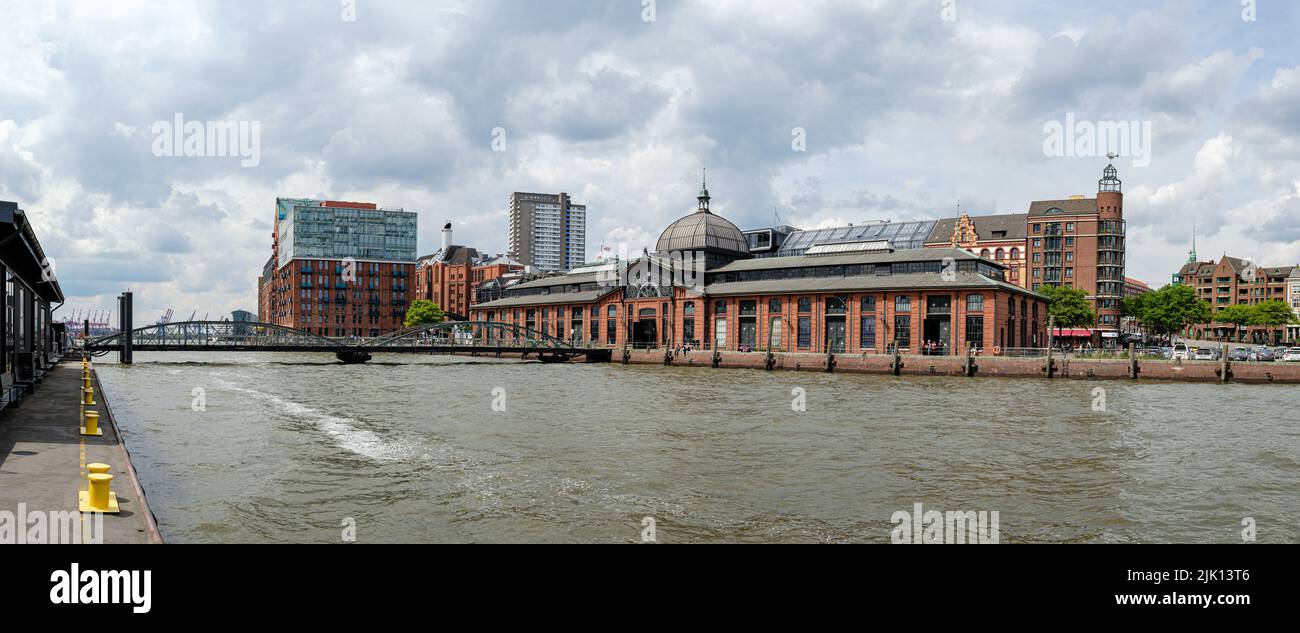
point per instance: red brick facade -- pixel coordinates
(1001, 327)
(322, 297)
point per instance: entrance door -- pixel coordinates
(938, 329)
(748, 334)
(835, 335)
(645, 333)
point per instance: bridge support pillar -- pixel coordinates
(125, 315)
(353, 357)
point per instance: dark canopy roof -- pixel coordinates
(21, 253)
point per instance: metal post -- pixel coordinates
(1051, 341)
(1132, 360)
(128, 313)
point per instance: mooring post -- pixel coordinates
(1051, 340)
(1133, 368)
(1225, 368)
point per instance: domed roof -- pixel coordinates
(702, 231)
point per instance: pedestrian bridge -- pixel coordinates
(485, 337)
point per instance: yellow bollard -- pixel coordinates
(98, 498)
(91, 426)
(88, 396)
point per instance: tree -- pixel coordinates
(423, 311)
(1069, 306)
(1273, 313)
(1237, 314)
(1172, 308)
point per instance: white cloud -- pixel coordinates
(905, 115)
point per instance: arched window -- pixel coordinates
(984, 254)
(1001, 254)
(1015, 253)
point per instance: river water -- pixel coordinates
(408, 448)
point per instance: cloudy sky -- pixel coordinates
(824, 112)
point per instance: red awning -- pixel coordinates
(1075, 332)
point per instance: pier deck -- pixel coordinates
(43, 458)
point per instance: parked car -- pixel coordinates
(1263, 354)
(1206, 353)
(1292, 355)
(1180, 352)
(1239, 354)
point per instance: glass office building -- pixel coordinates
(331, 230)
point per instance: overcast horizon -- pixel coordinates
(825, 113)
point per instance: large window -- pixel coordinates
(805, 304)
(975, 331)
(720, 332)
(774, 306)
(903, 332)
(805, 331)
(774, 333)
(974, 303)
(902, 303)
(611, 325)
(688, 323)
(868, 338)
(868, 304)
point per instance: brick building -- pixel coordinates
(1235, 281)
(338, 268)
(857, 297)
(1000, 238)
(1080, 242)
(451, 276)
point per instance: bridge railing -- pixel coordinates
(471, 334)
(237, 334)
(215, 334)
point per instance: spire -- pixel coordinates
(1191, 256)
(704, 192)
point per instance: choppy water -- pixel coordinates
(409, 447)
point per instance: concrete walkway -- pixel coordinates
(43, 459)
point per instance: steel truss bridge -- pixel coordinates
(485, 337)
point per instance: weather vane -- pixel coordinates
(1112, 155)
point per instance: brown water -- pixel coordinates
(410, 448)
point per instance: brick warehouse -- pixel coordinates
(451, 277)
(852, 297)
(338, 268)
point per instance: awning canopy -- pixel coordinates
(21, 253)
(1083, 332)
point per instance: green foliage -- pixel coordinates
(1069, 305)
(1238, 314)
(1272, 313)
(1172, 308)
(423, 311)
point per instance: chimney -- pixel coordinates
(446, 236)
